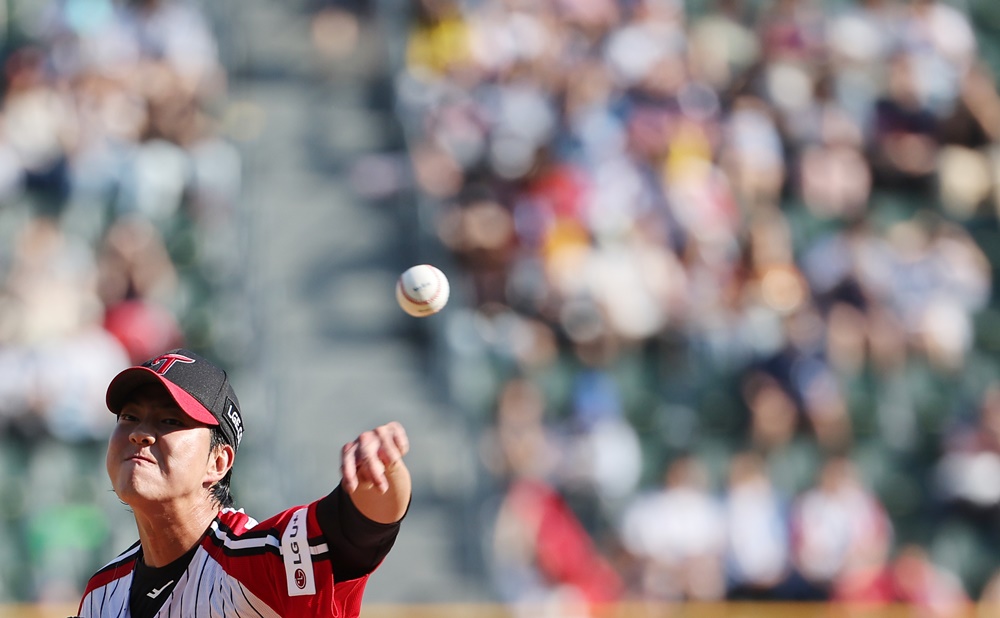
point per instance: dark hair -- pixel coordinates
(221, 492)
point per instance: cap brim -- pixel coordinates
(134, 377)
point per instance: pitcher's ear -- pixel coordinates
(220, 461)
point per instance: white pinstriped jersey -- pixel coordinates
(280, 567)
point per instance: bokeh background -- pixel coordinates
(724, 321)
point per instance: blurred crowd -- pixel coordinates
(116, 216)
(728, 270)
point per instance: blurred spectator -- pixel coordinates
(723, 46)
(134, 263)
(758, 557)
(835, 179)
(547, 563)
(138, 284)
(544, 561)
(602, 461)
(519, 444)
(943, 44)
(142, 328)
(839, 528)
(480, 232)
(51, 283)
(904, 135)
(774, 417)
(968, 472)
(967, 175)
(910, 578)
(753, 158)
(69, 375)
(677, 536)
(924, 585)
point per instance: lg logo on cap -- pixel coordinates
(234, 417)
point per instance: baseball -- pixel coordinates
(422, 290)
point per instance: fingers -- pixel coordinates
(393, 443)
(349, 466)
(370, 464)
(399, 438)
(367, 459)
(360, 464)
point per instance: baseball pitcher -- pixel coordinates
(170, 459)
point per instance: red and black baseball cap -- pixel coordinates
(200, 388)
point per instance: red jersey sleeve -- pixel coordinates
(286, 562)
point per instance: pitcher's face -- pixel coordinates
(156, 452)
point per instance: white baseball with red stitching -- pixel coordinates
(422, 290)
